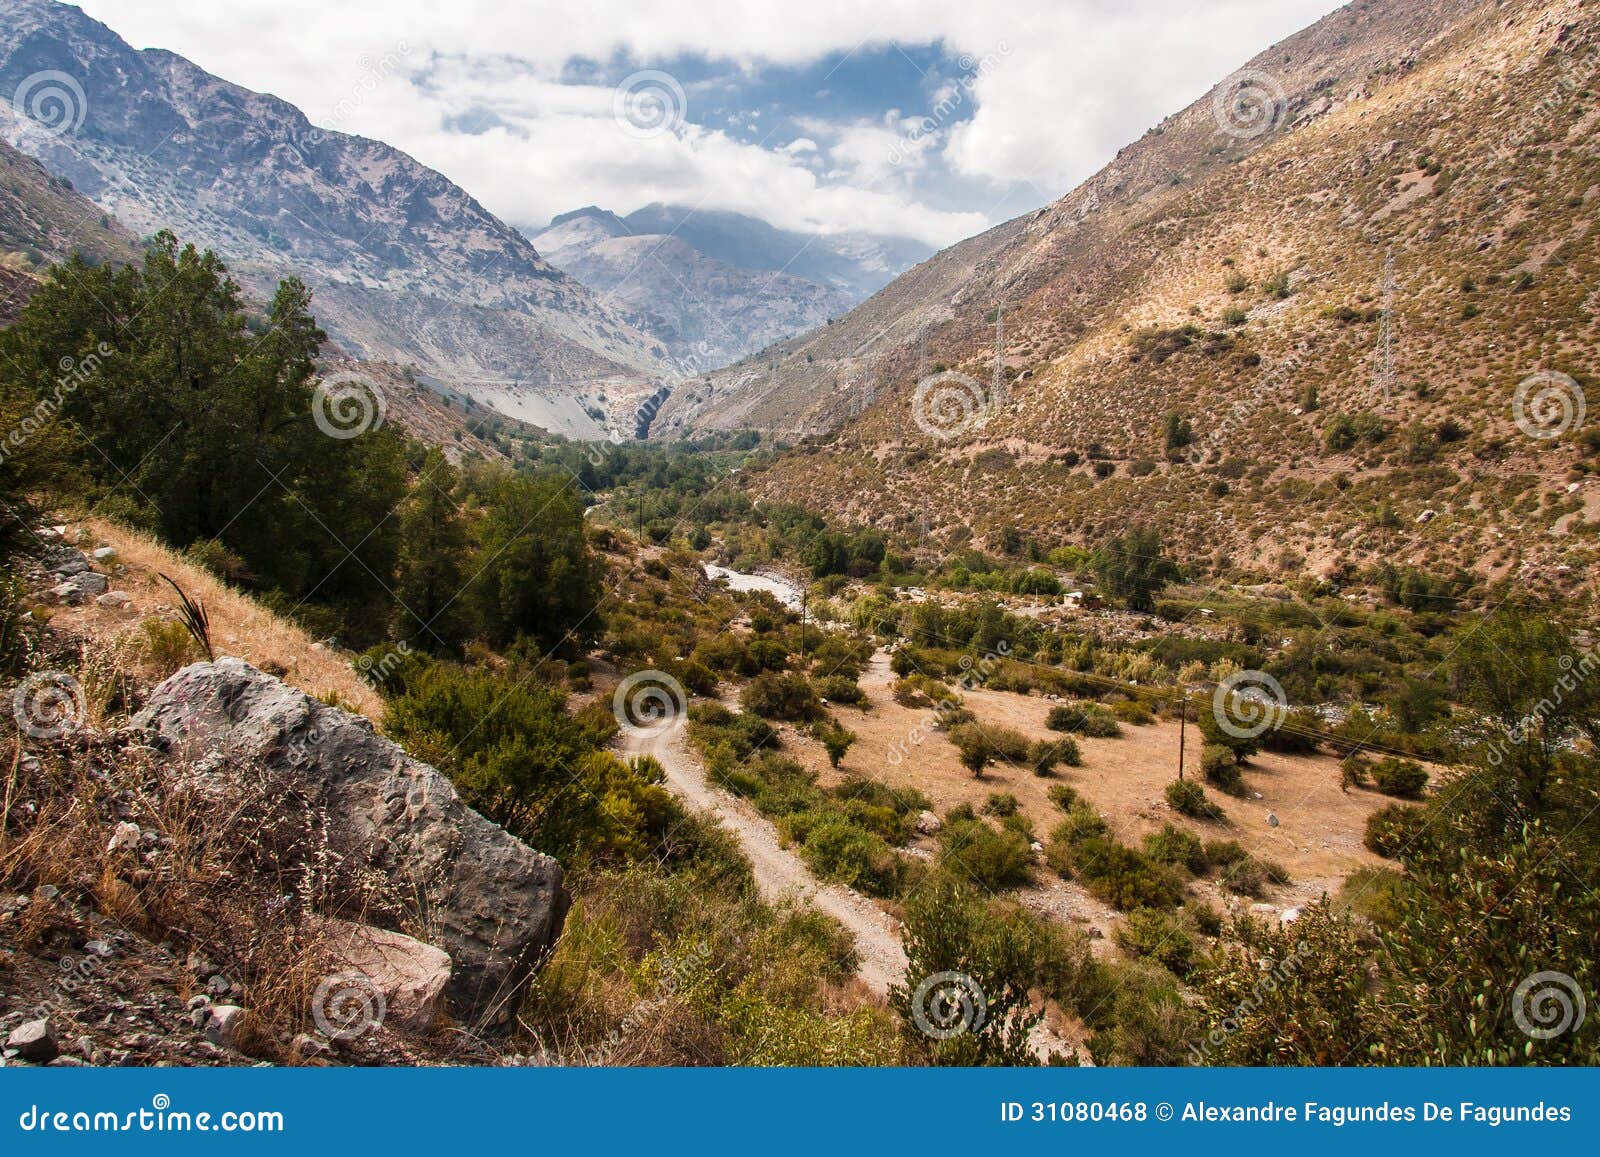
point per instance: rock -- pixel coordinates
(218, 985)
(497, 905)
(67, 594)
(928, 824)
(125, 838)
(116, 600)
(65, 1062)
(225, 1025)
(106, 554)
(34, 1041)
(67, 564)
(1290, 915)
(92, 584)
(98, 948)
(411, 976)
(310, 1048)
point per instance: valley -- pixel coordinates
(662, 638)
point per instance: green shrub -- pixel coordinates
(840, 689)
(1403, 778)
(1206, 918)
(1046, 755)
(838, 850)
(1133, 711)
(994, 860)
(1245, 877)
(786, 695)
(1063, 796)
(1224, 853)
(1392, 829)
(1221, 769)
(1294, 733)
(1001, 804)
(1087, 719)
(1186, 797)
(1158, 936)
(1178, 847)
(1117, 875)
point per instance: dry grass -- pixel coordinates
(240, 626)
(228, 879)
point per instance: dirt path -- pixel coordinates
(778, 871)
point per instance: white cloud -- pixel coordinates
(1053, 88)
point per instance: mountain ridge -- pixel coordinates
(407, 266)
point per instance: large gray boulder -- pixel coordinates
(490, 901)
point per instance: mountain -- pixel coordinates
(706, 312)
(43, 220)
(1368, 306)
(715, 286)
(406, 266)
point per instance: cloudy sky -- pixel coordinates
(927, 118)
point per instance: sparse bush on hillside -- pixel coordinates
(1187, 797)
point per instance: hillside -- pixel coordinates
(42, 219)
(407, 267)
(714, 287)
(1348, 300)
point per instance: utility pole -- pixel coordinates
(1183, 726)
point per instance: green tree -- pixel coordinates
(430, 590)
(970, 968)
(537, 577)
(1132, 567)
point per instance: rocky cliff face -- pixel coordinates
(492, 903)
(407, 266)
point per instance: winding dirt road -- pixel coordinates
(778, 871)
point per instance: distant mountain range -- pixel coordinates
(715, 286)
(407, 267)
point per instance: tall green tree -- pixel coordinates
(1132, 567)
(536, 576)
(431, 588)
